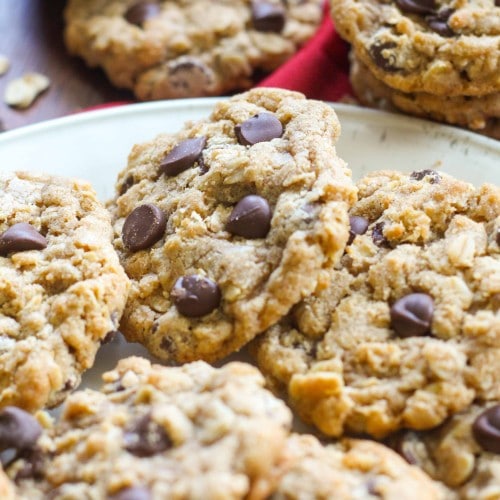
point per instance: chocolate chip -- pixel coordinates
(417, 6)
(167, 344)
(109, 337)
(267, 16)
(140, 12)
(412, 315)
(405, 443)
(145, 438)
(486, 429)
(195, 296)
(127, 184)
(183, 156)
(433, 176)
(260, 128)
(498, 237)
(386, 62)
(21, 237)
(133, 493)
(143, 227)
(497, 3)
(250, 218)
(18, 429)
(378, 235)
(439, 22)
(358, 225)
(32, 465)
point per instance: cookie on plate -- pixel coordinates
(478, 113)
(463, 453)
(165, 49)
(406, 330)
(349, 470)
(446, 48)
(224, 226)
(62, 288)
(155, 432)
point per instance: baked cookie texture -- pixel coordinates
(349, 470)
(463, 453)
(478, 113)
(155, 432)
(405, 331)
(245, 209)
(446, 48)
(187, 48)
(62, 288)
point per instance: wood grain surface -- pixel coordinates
(31, 37)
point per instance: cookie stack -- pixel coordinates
(438, 60)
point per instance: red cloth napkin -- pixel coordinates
(320, 69)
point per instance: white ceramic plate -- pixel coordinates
(95, 145)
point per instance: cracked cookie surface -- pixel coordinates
(447, 48)
(187, 432)
(187, 48)
(243, 210)
(62, 288)
(405, 331)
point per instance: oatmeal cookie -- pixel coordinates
(445, 47)
(188, 48)
(405, 332)
(224, 226)
(62, 288)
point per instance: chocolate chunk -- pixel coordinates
(433, 176)
(18, 429)
(384, 61)
(359, 225)
(378, 235)
(250, 218)
(195, 296)
(143, 227)
(140, 12)
(145, 438)
(133, 493)
(183, 156)
(260, 128)
(417, 6)
(267, 16)
(439, 22)
(486, 429)
(21, 237)
(412, 315)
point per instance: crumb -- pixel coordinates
(21, 92)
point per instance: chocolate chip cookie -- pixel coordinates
(445, 48)
(62, 288)
(155, 432)
(167, 49)
(348, 470)
(478, 113)
(225, 225)
(405, 331)
(464, 452)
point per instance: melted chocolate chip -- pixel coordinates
(384, 61)
(133, 493)
(18, 429)
(21, 237)
(412, 315)
(439, 22)
(195, 296)
(140, 12)
(378, 235)
(145, 438)
(250, 218)
(183, 156)
(486, 429)
(358, 225)
(267, 16)
(432, 175)
(143, 227)
(417, 6)
(260, 128)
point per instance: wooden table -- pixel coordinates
(31, 37)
